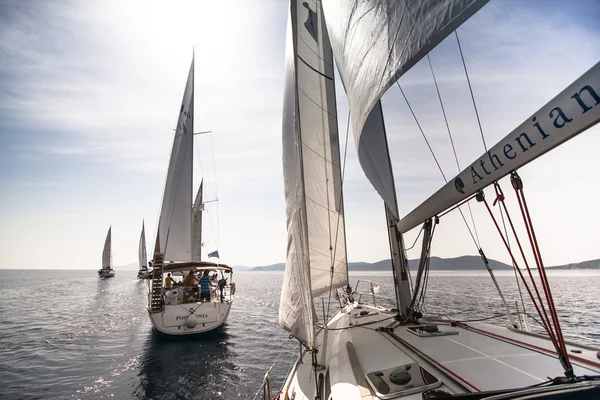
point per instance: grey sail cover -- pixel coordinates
(197, 225)
(571, 112)
(376, 41)
(175, 223)
(312, 174)
(107, 262)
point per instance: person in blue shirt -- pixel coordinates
(205, 286)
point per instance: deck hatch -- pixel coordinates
(401, 381)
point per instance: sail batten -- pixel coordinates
(571, 112)
(374, 43)
(175, 223)
(316, 255)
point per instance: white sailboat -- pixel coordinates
(143, 272)
(185, 309)
(369, 352)
(107, 262)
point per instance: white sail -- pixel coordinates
(572, 111)
(197, 211)
(375, 42)
(312, 176)
(107, 262)
(175, 223)
(142, 254)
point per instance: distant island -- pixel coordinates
(464, 263)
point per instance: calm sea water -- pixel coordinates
(69, 334)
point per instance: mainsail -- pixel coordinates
(107, 262)
(175, 223)
(376, 41)
(572, 111)
(142, 254)
(197, 225)
(316, 251)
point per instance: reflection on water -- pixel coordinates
(184, 367)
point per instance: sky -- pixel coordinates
(90, 93)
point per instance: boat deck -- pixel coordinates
(476, 357)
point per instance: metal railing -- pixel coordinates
(374, 291)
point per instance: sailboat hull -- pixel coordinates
(144, 274)
(474, 357)
(106, 274)
(173, 320)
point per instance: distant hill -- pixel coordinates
(591, 264)
(464, 263)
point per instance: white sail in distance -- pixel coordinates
(142, 254)
(571, 112)
(376, 41)
(107, 262)
(175, 223)
(197, 211)
(312, 174)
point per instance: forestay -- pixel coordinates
(106, 253)
(375, 42)
(574, 110)
(175, 230)
(142, 254)
(197, 225)
(312, 175)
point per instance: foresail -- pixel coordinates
(175, 223)
(312, 175)
(142, 254)
(375, 42)
(107, 251)
(197, 225)
(574, 110)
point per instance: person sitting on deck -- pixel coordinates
(169, 281)
(205, 287)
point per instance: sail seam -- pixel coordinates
(314, 69)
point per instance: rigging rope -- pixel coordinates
(554, 331)
(470, 90)
(338, 219)
(452, 143)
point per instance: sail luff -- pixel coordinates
(175, 222)
(571, 112)
(376, 41)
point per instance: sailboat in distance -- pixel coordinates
(107, 260)
(364, 351)
(143, 272)
(187, 295)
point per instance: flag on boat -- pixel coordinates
(214, 254)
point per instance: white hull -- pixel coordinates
(479, 357)
(106, 274)
(173, 319)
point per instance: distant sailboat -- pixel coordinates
(366, 351)
(107, 262)
(177, 309)
(143, 272)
